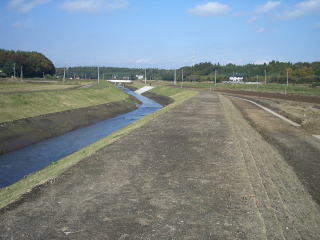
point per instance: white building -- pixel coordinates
(140, 77)
(236, 79)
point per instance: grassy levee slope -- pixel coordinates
(16, 191)
(299, 89)
(11, 87)
(18, 106)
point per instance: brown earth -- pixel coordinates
(296, 144)
(163, 100)
(306, 114)
(291, 97)
(20, 133)
(199, 171)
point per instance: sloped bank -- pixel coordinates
(24, 132)
(29, 186)
(163, 100)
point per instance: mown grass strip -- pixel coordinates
(19, 106)
(16, 191)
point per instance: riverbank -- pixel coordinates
(49, 174)
(24, 132)
(206, 175)
(32, 104)
(163, 99)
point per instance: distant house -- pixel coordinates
(236, 79)
(140, 77)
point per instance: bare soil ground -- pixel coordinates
(306, 114)
(199, 171)
(298, 147)
(291, 97)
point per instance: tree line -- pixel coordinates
(275, 71)
(27, 64)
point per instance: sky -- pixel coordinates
(163, 33)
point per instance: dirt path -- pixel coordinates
(299, 148)
(199, 171)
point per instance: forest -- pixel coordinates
(30, 64)
(275, 71)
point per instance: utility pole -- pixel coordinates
(215, 77)
(64, 74)
(98, 75)
(182, 78)
(287, 78)
(257, 80)
(21, 73)
(265, 76)
(43, 75)
(175, 77)
(14, 70)
(145, 76)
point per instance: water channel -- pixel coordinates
(17, 164)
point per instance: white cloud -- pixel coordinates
(25, 23)
(261, 30)
(304, 8)
(210, 9)
(18, 24)
(252, 20)
(267, 7)
(25, 6)
(92, 6)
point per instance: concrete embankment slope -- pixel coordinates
(198, 171)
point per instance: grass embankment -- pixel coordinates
(14, 192)
(24, 105)
(299, 89)
(11, 87)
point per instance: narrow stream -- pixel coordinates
(15, 165)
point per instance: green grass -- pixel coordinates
(18, 106)
(48, 174)
(300, 89)
(138, 84)
(166, 91)
(6, 87)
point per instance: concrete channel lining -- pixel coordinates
(144, 89)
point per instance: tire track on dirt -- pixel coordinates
(294, 208)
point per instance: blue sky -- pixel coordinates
(164, 34)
